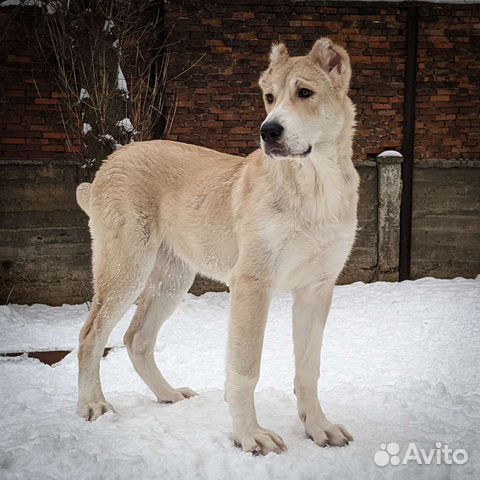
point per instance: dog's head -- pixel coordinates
(304, 98)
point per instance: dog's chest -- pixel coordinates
(313, 253)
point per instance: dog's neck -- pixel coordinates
(303, 183)
(316, 186)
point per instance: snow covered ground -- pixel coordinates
(400, 364)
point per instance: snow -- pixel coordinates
(399, 364)
(84, 94)
(109, 138)
(390, 153)
(125, 124)
(122, 82)
(108, 26)
(51, 6)
(86, 128)
(43, 328)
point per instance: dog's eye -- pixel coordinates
(269, 98)
(305, 93)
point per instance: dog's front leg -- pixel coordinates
(310, 310)
(249, 310)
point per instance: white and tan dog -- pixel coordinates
(282, 219)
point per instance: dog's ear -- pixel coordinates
(335, 61)
(278, 54)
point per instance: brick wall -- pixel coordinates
(219, 102)
(30, 121)
(448, 82)
(224, 45)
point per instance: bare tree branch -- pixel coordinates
(111, 68)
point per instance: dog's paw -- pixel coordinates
(325, 433)
(259, 442)
(92, 410)
(176, 395)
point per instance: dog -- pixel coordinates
(283, 218)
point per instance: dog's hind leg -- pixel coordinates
(118, 280)
(168, 282)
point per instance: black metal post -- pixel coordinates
(408, 143)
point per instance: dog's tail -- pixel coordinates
(83, 196)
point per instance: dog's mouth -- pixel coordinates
(276, 151)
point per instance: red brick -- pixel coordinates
(13, 141)
(46, 101)
(53, 148)
(41, 128)
(440, 98)
(18, 59)
(59, 135)
(243, 15)
(381, 106)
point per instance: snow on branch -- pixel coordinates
(122, 82)
(125, 124)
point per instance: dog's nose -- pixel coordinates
(271, 132)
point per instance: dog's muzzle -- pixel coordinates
(273, 142)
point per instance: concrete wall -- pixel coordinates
(44, 239)
(45, 244)
(446, 219)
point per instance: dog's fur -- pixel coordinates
(283, 218)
